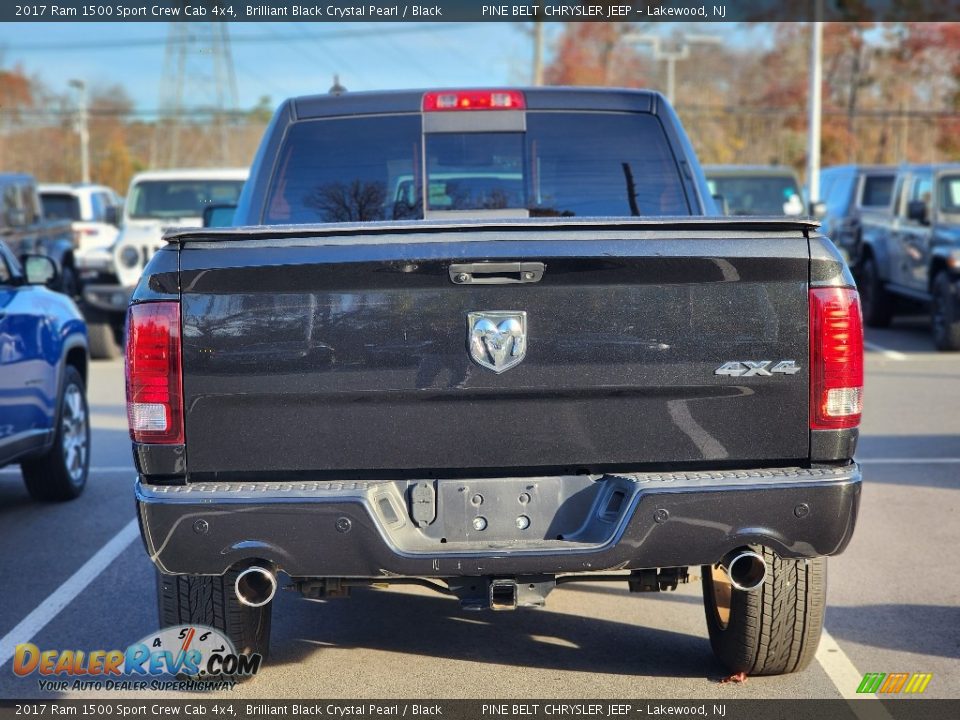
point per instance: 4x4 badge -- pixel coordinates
(749, 368)
(497, 339)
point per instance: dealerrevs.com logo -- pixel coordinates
(892, 683)
(201, 657)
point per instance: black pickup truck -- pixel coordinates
(491, 342)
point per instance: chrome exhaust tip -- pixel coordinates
(255, 586)
(745, 569)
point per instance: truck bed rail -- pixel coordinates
(685, 224)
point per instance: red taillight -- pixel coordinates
(78, 235)
(836, 359)
(473, 100)
(154, 384)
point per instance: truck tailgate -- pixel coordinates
(349, 352)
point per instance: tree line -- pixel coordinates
(891, 94)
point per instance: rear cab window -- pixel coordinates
(760, 194)
(172, 199)
(950, 194)
(390, 168)
(877, 191)
(10, 200)
(98, 206)
(60, 206)
(29, 203)
(899, 190)
(922, 188)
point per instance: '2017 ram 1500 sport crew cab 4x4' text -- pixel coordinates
(491, 342)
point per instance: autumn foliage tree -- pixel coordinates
(891, 92)
(16, 97)
(112, 162)
(594, 53)
(937, 45)
(39, 133)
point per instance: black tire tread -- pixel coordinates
(68, 284)
(101, 338)
(878, 311)
(210, 600)
(949, 339)
(776, 629)
(46, 476)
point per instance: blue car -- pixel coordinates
(44, 419)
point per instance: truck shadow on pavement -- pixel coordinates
(436, 627)
(907, 334)
(621, 590)
(930, 460)
(907, 446)
(926, 629)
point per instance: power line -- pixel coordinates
(106, 44)
(198, 63)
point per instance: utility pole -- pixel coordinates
(680, 50)
(198, 82)
(813, 105)
(537, 53)
(83, 128)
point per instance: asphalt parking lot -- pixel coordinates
(76, 576)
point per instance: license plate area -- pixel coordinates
(508, 513)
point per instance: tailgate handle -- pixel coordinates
(496, 273)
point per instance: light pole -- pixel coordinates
(537, 52)
(680, 50)
(813, 106)
(83, 127)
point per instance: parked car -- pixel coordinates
(756, 189)
(847, 192)
(547, 379)
(44, 421)
(156, 201)
(27, 230)
(911, 251)
(93, 211)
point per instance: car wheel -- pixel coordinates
(876, 302)
(774, 629)
(102, 338)
(68, 282)
(945, 313)
(212, 601)
(61, 473)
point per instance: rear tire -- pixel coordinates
(945, 313)
(775, 629)
(876, 302)
(68, 282)
(61, 473)
(211, 601)
(102, 339)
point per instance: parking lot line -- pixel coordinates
(103, 469)
(909, 461)
(46, 611)
(846, 679)
(886, 352)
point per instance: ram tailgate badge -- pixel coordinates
(497, 339)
